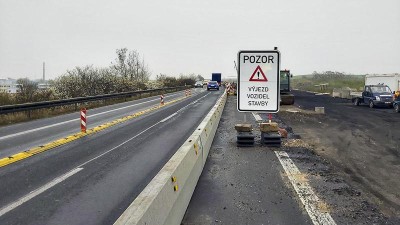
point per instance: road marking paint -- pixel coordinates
(38, 191)
(257, 117)
(137, 135)
(306, 194)
(169, 117)
(62, 141)
(69, 121)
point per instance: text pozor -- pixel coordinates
(258, 58)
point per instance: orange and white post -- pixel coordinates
(188, 92)
(83, 120)
(162, 100)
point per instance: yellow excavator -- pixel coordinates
(287, 98)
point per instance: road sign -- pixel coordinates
(258, 71)
(258, 81)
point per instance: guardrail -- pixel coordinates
(48, 104)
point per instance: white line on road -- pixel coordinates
(38, 191)
(68, 121)
(316, 209)
(257, 117)
(57, 180)
(169, 117)
(137, 135)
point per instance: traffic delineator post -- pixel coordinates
(83, 120)
(188, 92)
(162, 100)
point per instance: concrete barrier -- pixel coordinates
(166, 198)
(320, 110)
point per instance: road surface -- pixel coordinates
(94, 179)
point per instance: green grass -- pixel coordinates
(308, 82)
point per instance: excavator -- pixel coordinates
(287, 98)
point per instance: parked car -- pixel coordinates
(198, 84)
(212, 85)
(375, 95)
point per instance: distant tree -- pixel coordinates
(26, 90)
(130, 65)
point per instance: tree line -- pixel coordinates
(128, 72)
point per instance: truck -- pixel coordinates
(216, 77)
(391, 80)
(287, 98)
(375, 95)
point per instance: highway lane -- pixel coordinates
(94, 179)
(21, 137)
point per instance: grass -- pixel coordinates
(12, 118)
(313, 83)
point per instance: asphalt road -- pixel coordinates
(94, 179)
(243, 185)
(362, 143)
(20, 137)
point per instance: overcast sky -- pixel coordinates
(354, 36)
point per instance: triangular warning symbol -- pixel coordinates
(256, 75)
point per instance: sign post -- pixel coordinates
(258, 81)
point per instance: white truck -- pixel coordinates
(391, 80)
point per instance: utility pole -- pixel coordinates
(44, 72)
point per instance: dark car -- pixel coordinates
(198, 84)
(212, 85)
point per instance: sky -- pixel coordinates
(201, 37)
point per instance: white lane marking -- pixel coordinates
(137, 135)
(169, 117)
(306, 194)
(68, 121)
(38, 191)
(314, 207)
(47, 186)
(257, 117)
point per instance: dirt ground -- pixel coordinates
(359, 152)
(248, 185)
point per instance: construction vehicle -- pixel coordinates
(287, 98)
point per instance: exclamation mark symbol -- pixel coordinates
(258, 75)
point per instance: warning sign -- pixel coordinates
(258, 71)
(258, 81)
